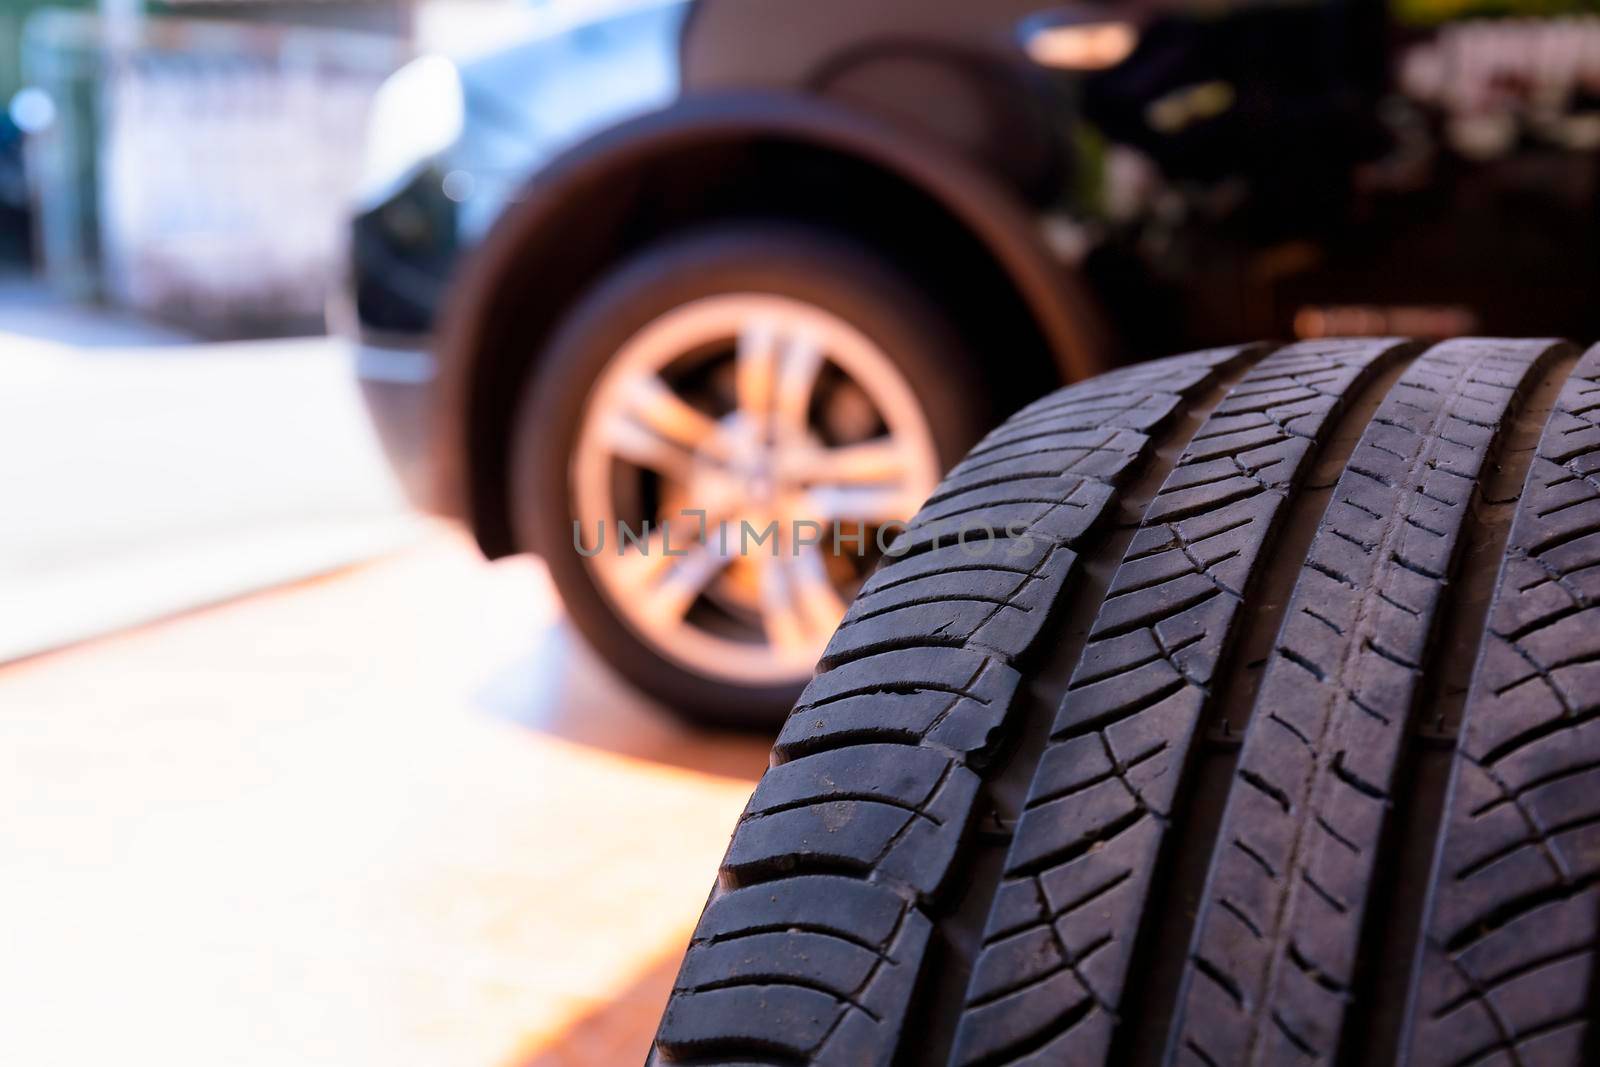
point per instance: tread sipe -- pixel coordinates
(1236, 708)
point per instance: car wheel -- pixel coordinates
(1277, 740)
(719, 440)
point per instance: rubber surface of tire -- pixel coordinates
(1237, 708)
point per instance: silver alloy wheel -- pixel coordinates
(769, 458)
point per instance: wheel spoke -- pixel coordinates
(799, 605)
(871, 504)
(799, 363)
(756, 373)
(814, 589)
(882, 460)
(655, 428)
(785, 624)
(632, 441)
(867, 482)
(661, 588)
(655, 404)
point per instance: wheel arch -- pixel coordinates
(696, 163)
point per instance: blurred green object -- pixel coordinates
(1434, 12)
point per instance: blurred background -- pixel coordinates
(293, 774)
(321, 321)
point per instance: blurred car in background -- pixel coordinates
(15, 222)
(758, 259)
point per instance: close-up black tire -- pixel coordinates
(910, 340)
(1263, 728)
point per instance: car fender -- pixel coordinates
(477, 391)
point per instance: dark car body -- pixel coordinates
(1245, 170)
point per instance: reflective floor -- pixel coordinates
(398, 815)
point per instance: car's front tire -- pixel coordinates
(719, 386)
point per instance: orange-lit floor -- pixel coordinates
(396, 816)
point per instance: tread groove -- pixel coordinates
(1177, 600)
(1352, 700)
(1514, 894)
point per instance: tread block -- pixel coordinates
(791, 1020)
(753, 1021)
(846, 907)
(896, 774)
(913, 842)
(794, 957)
(1056, 519)
(998, 607)
(808, 966)
(1042, 1009)
(951, 698)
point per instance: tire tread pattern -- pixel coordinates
(1512, 943)
(1273, 961)
(894, 780)
(811, 945)
(1049, 979)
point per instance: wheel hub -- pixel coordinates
(765, 463)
